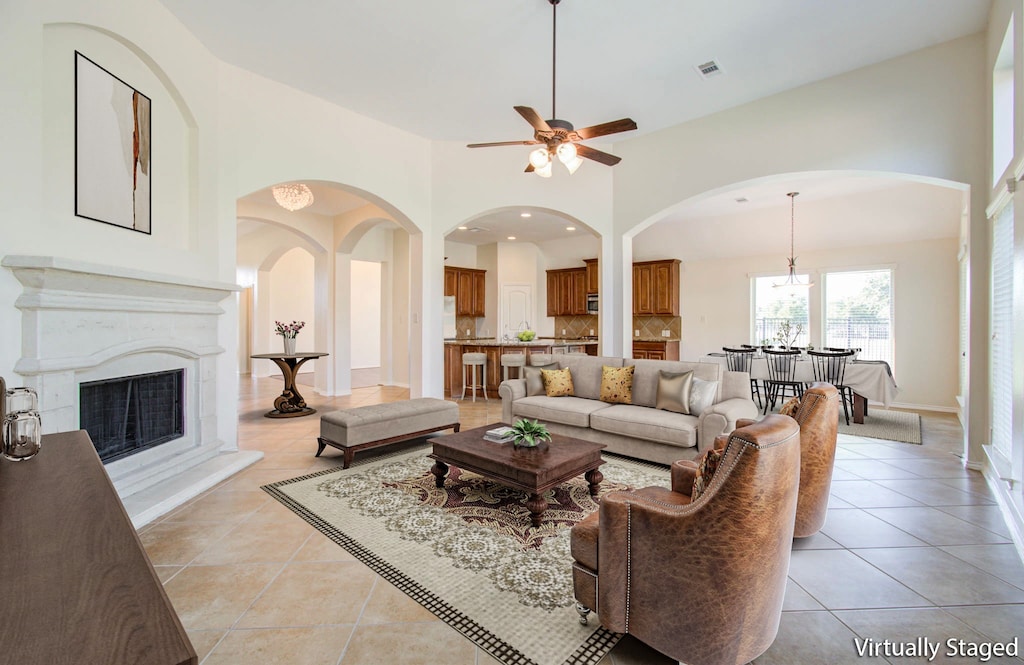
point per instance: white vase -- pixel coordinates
(289, 346)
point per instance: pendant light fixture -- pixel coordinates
(793, 281)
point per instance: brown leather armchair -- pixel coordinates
(818, 417)
(700, 580)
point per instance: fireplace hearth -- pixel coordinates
(128, 414)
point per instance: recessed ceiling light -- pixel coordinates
(511, 237)
(525, 215)
(570, 228)
(463, 228)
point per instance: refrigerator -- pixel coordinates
(448, 317)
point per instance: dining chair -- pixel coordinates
(739, 360)
(830, 367)
(781, 375)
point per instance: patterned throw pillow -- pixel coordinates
(534, 382)
(705, 470)
(674, 391)
(702, 395)
(617, 384)
(557, 382)
(791, 407)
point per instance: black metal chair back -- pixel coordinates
(781, 365)
(738, 360)
(830, 367)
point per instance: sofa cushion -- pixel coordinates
(617, 384)
(645, 377)
(534, 383)
(675, 429)
(557, 382)
(674, 391)
(586, 373)
(563, 410)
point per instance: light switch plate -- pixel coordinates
(636, 333)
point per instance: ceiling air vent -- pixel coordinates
(709, 69)
(742, 199)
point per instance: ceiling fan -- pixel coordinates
(559, 138)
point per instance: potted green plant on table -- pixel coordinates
(529, 434)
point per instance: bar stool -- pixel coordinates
(516, 360)
(474, 360)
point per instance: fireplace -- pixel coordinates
(128, 414)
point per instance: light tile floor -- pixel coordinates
(913, 546)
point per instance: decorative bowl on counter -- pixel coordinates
(526, 336)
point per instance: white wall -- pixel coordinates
(291, 297)
(459, 254)
(366, 311)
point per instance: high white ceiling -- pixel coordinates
(452, 70)
(539, 227)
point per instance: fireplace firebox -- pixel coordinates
(128, 414)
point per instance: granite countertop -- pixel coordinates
(490, 341)
(655, 339)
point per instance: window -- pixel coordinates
(858, 312)
(775, 306)
(1002, 106)
(1001, 349)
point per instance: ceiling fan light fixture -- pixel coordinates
(566, 153)
(540, 158)
(544, 171)
(573, 164)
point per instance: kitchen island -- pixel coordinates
(494, 348)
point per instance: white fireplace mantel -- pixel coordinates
(83, 322)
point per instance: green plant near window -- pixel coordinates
(788, 333)
(529, 434)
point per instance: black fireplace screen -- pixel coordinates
(132, 413)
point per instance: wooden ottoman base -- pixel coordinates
(350, 451)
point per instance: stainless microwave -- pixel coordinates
(592, 303)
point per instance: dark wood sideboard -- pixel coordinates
(75, 584)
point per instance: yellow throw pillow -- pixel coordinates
(617, 384)
(557, 382)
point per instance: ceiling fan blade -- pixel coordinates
(529, 168)
(533, 118)
(490, 145)
(597, 155)
(613, 127)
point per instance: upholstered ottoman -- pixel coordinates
(365, 427)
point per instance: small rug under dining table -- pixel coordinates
(467, 551)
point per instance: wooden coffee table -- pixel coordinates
(532, 470)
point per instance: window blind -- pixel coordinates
(1001, 348)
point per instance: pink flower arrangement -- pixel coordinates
(288, 330)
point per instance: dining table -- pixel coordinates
(869, 379)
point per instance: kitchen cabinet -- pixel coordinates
(593, 275)
(567, 292)
(656, 350)
(469, 287)
(656, 288)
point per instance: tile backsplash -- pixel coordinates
(576, 326)
(652, 326)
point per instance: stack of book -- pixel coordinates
(499, 435)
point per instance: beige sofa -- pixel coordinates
(637, 429)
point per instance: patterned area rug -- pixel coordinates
(467, 551)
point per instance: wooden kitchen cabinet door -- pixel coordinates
(643, 290)
(451, 281)
(553, 294)
(579, 292)
(593, 275)
(479, 294)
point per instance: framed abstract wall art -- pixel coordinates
(113, 168)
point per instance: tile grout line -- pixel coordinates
(355, 626)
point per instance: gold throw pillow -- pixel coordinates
(674, 391)
(791, 407)
(617, 384)
(706, 467)
(557, 382)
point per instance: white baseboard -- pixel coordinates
(1011, 504)
(917, 407)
